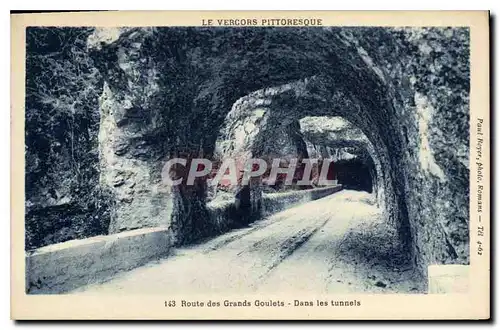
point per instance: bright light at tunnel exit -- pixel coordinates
(236, 173)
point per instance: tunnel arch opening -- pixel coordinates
(312, 72)
(313, 99)
(349, 149)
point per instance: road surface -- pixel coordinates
(337, 244)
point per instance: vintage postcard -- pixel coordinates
(250, 165)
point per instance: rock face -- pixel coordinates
(195, 92)
(63, 199)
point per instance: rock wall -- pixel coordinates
(430, 89)
(63, 199)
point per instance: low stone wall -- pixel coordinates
(62, 267)
(448, 278)
(272, 203)
(224, 215)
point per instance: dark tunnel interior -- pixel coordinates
(353, 174)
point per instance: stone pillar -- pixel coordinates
(131, 159)
(140, 198)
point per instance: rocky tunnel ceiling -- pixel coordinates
(171, 91)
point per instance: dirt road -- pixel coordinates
(336, 244)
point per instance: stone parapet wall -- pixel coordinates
(63, 267)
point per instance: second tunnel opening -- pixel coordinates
(353, 174)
